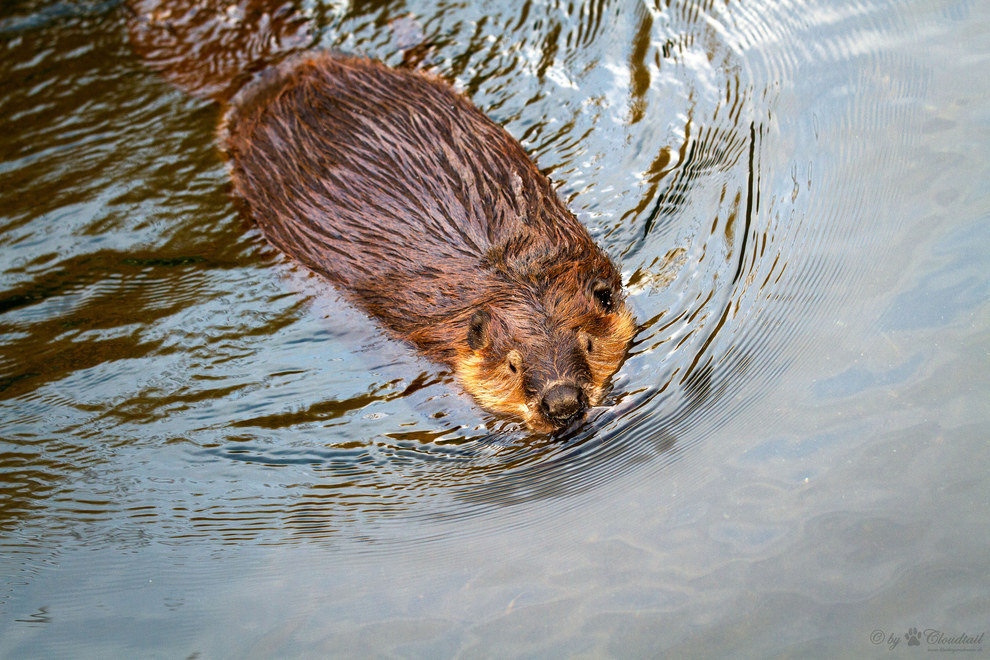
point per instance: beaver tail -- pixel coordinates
(210, 48)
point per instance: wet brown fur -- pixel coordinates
(424, 212)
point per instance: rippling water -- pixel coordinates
(204, 449)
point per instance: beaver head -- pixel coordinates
(543, 343)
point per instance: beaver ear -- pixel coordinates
(603, 294)
(477, 335)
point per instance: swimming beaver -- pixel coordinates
(431, 218)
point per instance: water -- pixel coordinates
(205, 451)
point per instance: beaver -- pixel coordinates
(433, 219)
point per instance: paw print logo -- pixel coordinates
(913, 637)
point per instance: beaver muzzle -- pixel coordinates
(563, 404)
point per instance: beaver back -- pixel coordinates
(390, 184)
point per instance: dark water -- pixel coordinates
(204, 450)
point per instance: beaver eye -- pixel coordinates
(514, 361)
(589, 345)
(601, 291)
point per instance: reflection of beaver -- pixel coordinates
(431, 218)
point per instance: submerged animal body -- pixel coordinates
(432, 219)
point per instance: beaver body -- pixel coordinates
(433, 219)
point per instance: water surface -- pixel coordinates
(203, 449)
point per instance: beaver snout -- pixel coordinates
(563, 404)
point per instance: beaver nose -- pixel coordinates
(562, 404)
